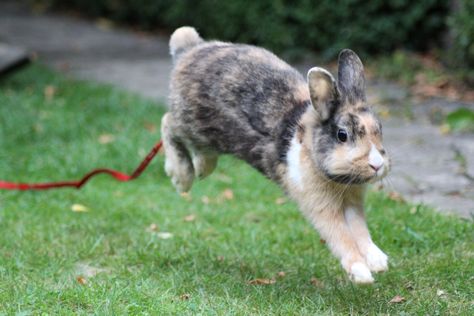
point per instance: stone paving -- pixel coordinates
(428, 166)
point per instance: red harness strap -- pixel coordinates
(4, 185)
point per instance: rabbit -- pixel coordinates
(317, 138)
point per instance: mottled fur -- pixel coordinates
(242, 100)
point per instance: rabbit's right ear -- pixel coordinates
(323, 92)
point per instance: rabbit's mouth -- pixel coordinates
(350, 178)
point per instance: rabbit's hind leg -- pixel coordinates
(178, 165)
(204, 163)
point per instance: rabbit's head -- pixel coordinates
(347, 136)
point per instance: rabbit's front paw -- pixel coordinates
(376, 259)
(360, 273)
(181, 174)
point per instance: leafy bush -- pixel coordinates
(462, 31)
(324, 26)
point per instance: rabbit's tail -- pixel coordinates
(183, 39)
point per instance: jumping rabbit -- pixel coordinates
(317, 138)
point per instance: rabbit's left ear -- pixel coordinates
(351, 80)
(323, 92)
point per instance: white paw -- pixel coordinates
(376, 259)
(181, 178)
(360, 273)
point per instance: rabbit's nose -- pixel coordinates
(376, 167)
(375, 159)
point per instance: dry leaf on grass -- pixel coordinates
(281, 274)
(441, 293)
(397, 299)
(220, 258)
(223, 177)
(205, 199)
(190, 218)
(186, 196)
(315, 281)
(164, 235)
(106, 138)
(87, 271)
(395, 196)
(79, 208)
(280, 201)
(228, 194)
(185, 297)
(49, 92)
(261, 281)
(150, 127)
(81, 280)
(152, 228)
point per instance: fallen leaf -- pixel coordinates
(280, 201)
(281, 274)
(228, 194)
(87, 271)
(164, 235)
(152, 228)
(38, 128)
(185, 297)
(49, 92)
(150, 127)
(223, 178)
(205, 199)
(261, 281)
(186, 196)
(65, 66)
(395, 196)
(81, 280)
(190, 218)
(378, 187)
(314, 281)
(444, 129)
(384, 113)
(253, 218)
(79, 208)
(220, 258)
(106, 138)
(441, 293)
(104, 24)
(397, 299)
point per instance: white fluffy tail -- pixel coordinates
(183, 39)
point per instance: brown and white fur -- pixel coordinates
(317, 138)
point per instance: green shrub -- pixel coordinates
(324, 26)
(462, 32)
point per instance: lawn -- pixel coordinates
(141, 248)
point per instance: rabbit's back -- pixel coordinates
(237, 99)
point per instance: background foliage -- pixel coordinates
(462, 31)
(282, 25)
(293, 27)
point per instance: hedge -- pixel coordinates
(324, 26)
(462, 35)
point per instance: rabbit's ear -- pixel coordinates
(323, 92)
(351, 80)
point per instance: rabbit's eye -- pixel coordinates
(342, 135)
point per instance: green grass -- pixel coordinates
(231, 241)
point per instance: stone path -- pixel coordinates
(428, 167)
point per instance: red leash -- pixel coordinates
(4, 185)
